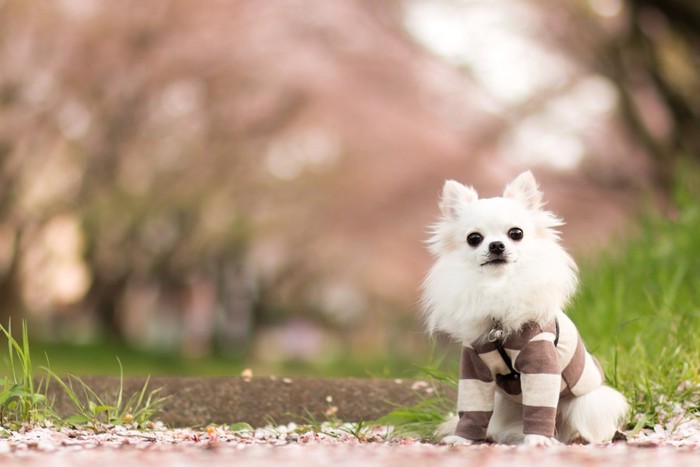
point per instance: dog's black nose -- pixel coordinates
(497, 248)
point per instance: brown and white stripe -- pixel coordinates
(547, 373)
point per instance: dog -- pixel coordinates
(499, 285)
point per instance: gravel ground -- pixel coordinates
(677, 444)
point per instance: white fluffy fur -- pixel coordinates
(462, 295)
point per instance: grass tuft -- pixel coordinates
(21, 402)
(423, 419)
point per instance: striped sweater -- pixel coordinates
(547, 373)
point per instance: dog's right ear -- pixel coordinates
(455, 196)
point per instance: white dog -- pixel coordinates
(498, 286)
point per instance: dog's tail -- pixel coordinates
(595, 416)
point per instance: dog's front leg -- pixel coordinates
(540, 381)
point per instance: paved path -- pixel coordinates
(285, 446)
(359, 455)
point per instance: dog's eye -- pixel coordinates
(515, 234)
(474, 238)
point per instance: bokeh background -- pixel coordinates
(200, 187)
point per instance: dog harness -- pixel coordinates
(527, 367)
(496, 335)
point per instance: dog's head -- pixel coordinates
(497, 259)
(493, 234)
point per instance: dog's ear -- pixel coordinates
(454, 196)
(524, 189)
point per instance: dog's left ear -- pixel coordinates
(524, 189)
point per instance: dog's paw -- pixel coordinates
(539, 440)
(454, 440)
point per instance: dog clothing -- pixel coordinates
(543, 374)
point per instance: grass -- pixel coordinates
(93, 409)
(639, 311)
(422, 419)
(22, 401)
(97, 359)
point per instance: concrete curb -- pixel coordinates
(195, 401)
